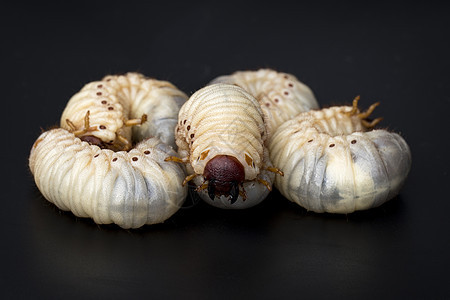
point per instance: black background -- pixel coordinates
(396, 53)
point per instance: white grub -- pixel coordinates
(281, 95)
(221, 136)
(333, 162)
(90, 166)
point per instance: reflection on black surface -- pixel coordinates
(203, 250)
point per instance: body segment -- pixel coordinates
(92, 167)
(117, 103)
(221, 134)
(281, 96)
(126, 188)
(332, 163)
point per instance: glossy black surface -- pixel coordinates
(396, 53)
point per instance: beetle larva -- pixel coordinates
(334, 163)
(81, 167)
(281, 95)
(104, 111)
(129, 189)
(220, 135)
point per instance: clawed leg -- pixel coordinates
(87, 127)
(189, 178)
(134, 122)
(267, 184)
(177, 159)
(371, 124)
(126, 144)
(275, 170)
(368, 112)
(201, 187)
(355, 106)
(364, 115)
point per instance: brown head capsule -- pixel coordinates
(224, 174)
(93, 140)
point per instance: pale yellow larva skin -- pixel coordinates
(222, 119)
(281, 95)
(160, 100)
(332, 164)
(118, 98)
(130, 189)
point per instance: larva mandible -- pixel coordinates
(77, 169)
(334, 163)
(281, 95)
(220, 135)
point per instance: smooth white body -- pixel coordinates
(281, 96)
(332, 164)
(130, 188)
(118, 98)
(223, 119)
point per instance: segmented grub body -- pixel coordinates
(117, 103)
(221, 134)
(282, 96)
(129, 189)
(333, 163)
(82, 167)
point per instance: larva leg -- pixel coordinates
(201, 187)
(355, 109)
(86, 128)
(369, 111)
(134, 122)
(371, 124)
(275, 170)
(364, 115)
(267, 184)
(189, 178)
(242, 193)
(123, 143)
(177, 159)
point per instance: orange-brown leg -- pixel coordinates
(177, 159)
(87, 127)
(371, 124)
(201, 187)
(265, 183)
(134, 122)
(355, 109)
(124, 144)
(275, 170)
(369, 111)
(189, 178)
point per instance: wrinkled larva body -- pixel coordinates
(129, 189)
(333, 164)
(220, 135)
(281, 95)
(114, 105)
(82, 167)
